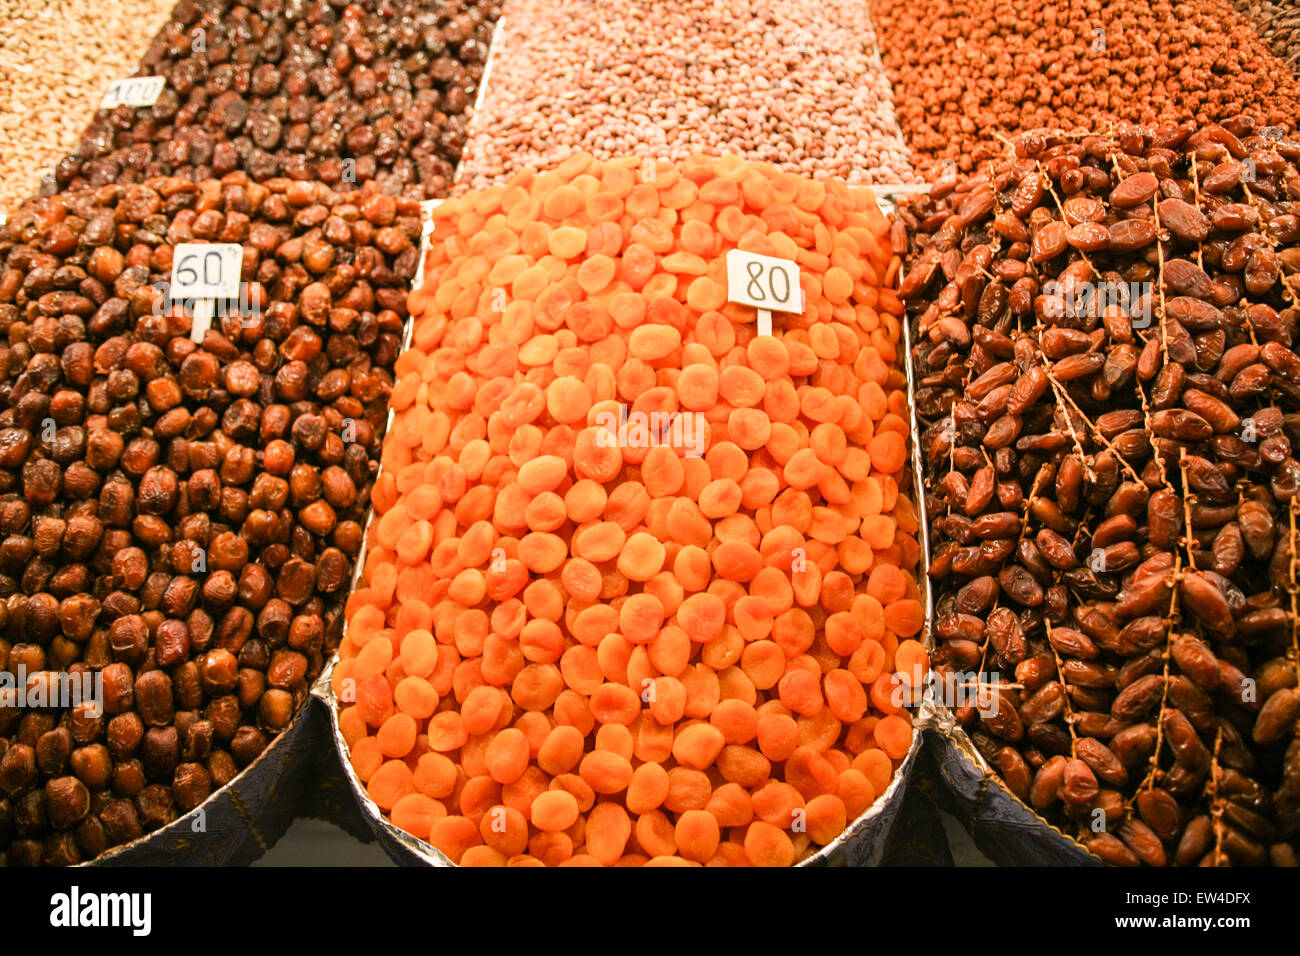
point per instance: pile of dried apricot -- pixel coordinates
(639, 579)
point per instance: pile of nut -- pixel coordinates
(180, 519)
(297, 88)
(1109, 395)
(796, 83)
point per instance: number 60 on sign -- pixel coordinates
(203, 270)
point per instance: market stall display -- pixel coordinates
(1109, 390)
(640, 576)
(523, 502)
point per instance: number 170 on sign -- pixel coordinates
(767, 283)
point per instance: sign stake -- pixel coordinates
(767, 284)
(204, 310)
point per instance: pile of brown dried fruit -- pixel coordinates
(378, 90)
(963, 70)
(180, 519)
(1109, 389)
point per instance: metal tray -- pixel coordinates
(864, 841)
(862, 844)
(242, 820)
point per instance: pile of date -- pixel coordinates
(1107, 393)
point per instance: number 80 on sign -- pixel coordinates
(767, 283)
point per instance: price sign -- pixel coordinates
(767, 283)
(133, 91)
(203, 272)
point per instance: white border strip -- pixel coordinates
(495, 42)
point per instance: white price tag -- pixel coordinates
(767, 283)
(203, 272)
(206, 270)
(134, 91)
